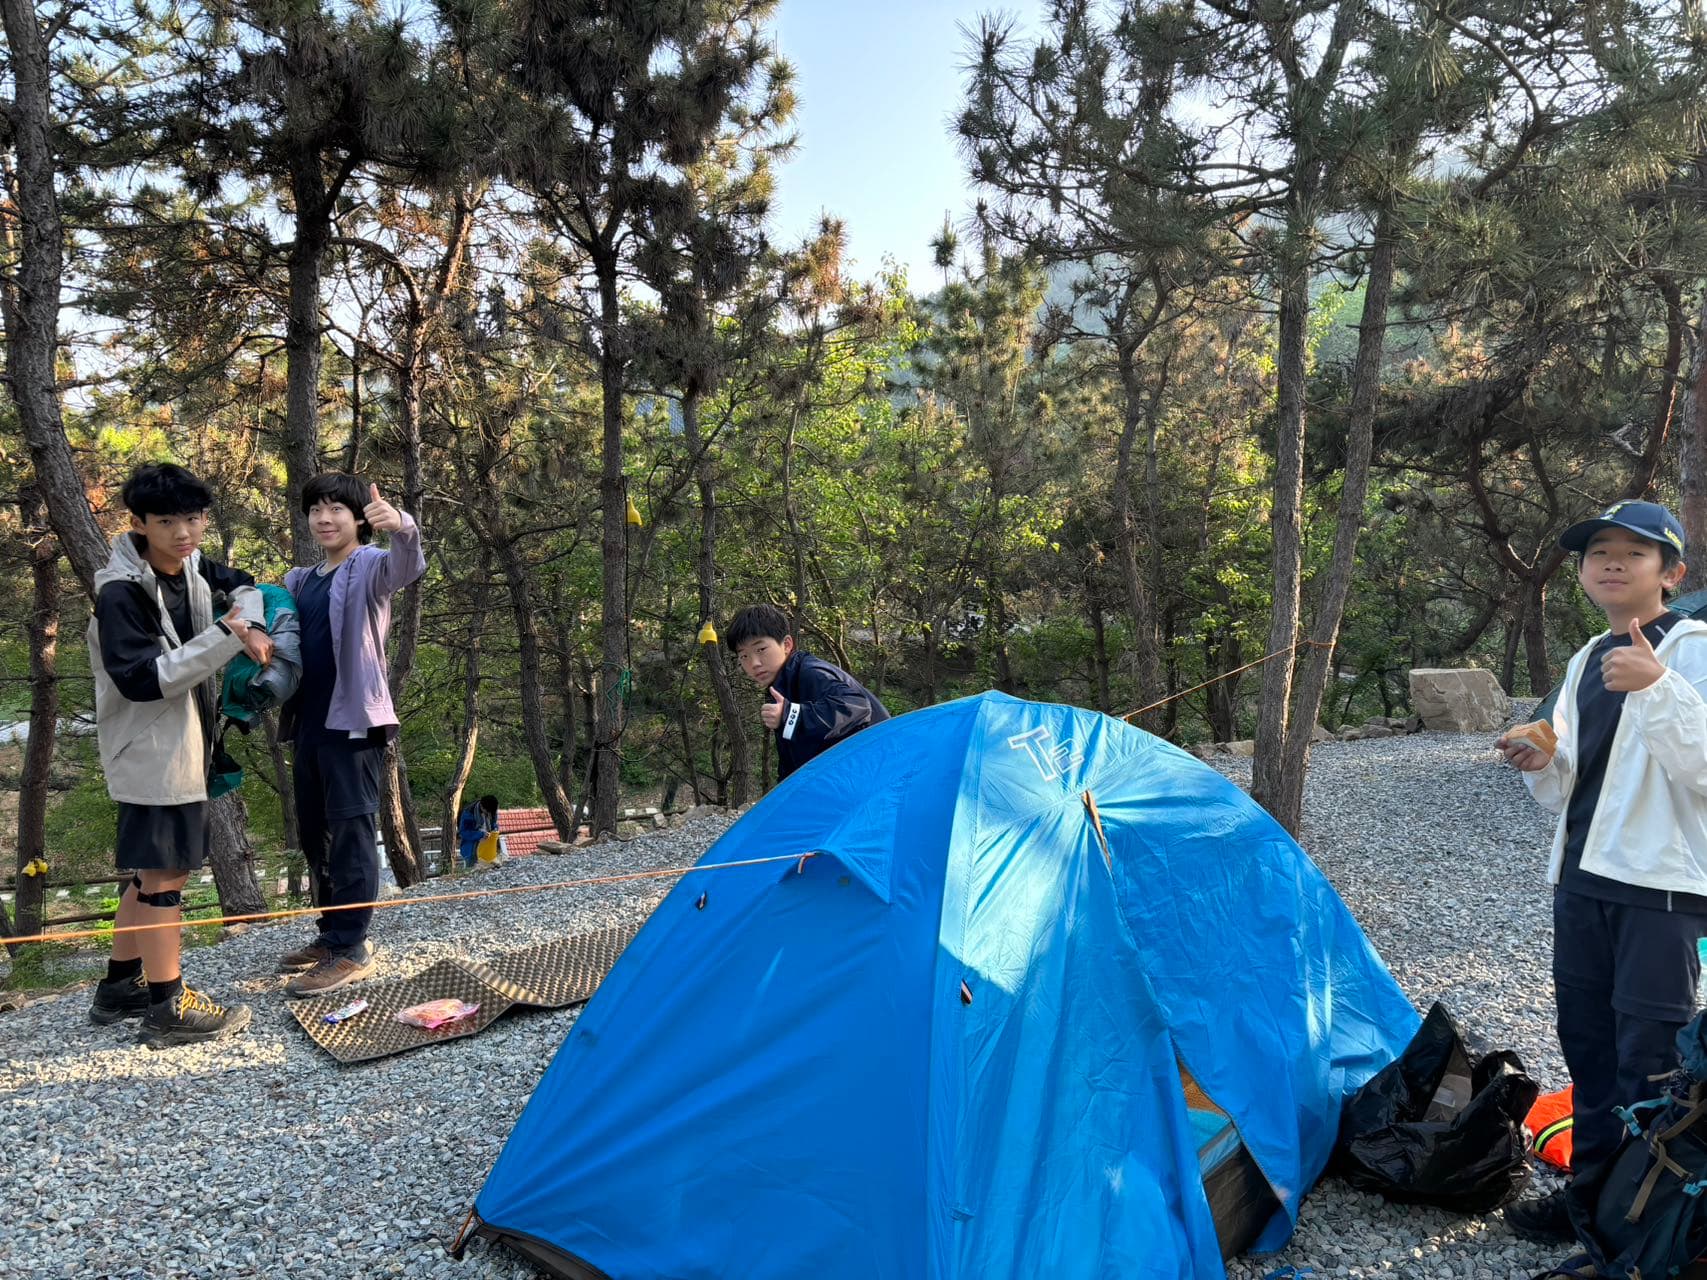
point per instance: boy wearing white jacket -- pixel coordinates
(1628, 779)
(157, 640)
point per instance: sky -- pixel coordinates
(879, 83)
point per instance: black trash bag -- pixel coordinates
(1439, 1126)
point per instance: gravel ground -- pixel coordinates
(261, 1157)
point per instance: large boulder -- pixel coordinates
(1459, 701)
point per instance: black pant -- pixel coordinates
(1625, 980)
(336, 781)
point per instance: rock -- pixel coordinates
(1353, 734)
(629, 830)
(1459, 701)
(551, 846)
(660, 821)
(1319, 734)
(700, 811)
(1245, 747)
(1378, 731)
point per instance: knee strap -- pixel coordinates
(137, 881)
(168, 898)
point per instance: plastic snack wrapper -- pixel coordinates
(347, 1012)
(437, 1013)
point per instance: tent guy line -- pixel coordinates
(1227, 675)
(392, 903)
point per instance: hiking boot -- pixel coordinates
(1547, 1219)
(304, 957)
(334, 973)
(119, 998)
(189, 1018)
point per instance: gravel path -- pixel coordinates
(261, 1157)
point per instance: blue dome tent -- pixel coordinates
(1052, 998)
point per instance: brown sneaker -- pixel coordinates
(333, 974)
(304, 957)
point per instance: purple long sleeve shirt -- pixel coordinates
(361, 621)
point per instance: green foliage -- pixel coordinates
(929, 485)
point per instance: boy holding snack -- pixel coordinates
(1624, 765)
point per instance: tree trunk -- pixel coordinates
(398, 818)
(232, 857)
(29, 298)
(796, 535)
(470, 730)
(302, 342)
(397, 811)
(1139, 602)
(1268, 782)
(1223, 700)
(571, 721)
(533, 689)
(930, 663)
(1099, 654)
(740, 786)
(353, 454)
(1692, 450)
(613, 621)
(1286, 803)
(287, 803)
(44, 709)
(1535, 637)
(1508, 660)
(589, 725)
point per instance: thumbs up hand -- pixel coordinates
(380, 514)
(772, 712)
(1629, 668)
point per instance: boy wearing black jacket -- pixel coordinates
(166, 621)
(812, 704)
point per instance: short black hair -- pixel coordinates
(164, 489)
(490, 804)
(345, 489)
(757, 622)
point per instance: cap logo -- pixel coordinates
(1672, 538)
(1613, 510)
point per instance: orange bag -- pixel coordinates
(1552, 1120)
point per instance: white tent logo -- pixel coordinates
(1051, 758)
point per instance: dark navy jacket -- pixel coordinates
(825, 705)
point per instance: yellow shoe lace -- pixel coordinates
(195, 1001)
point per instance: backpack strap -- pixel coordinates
(1629, 1115)
(1578, 1267)
(1662, 1162)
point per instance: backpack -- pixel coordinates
(249, 688)
(1643, 1214)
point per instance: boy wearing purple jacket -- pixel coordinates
(341, 717)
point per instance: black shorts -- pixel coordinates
(162, 837)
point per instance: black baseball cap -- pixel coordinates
(1649, 519)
